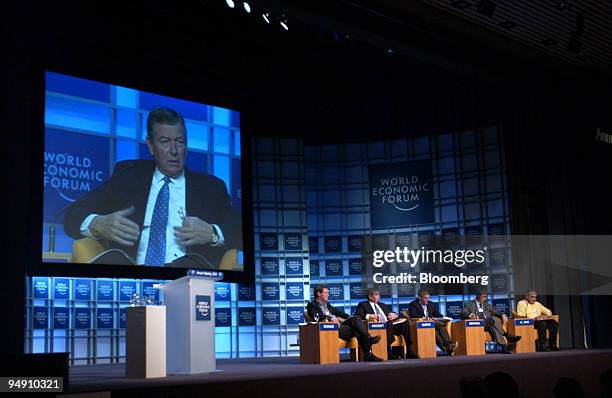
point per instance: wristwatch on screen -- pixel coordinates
(214, 238)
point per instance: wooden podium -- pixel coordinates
(423, 336)
(319, 343)
(470, 337)
(379, 329)
(524, 328)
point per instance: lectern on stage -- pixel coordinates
(190, 321)
(470, 337)
(523, 327)
(423, 336)
(379, 329)
(145, 341)
(319, 343)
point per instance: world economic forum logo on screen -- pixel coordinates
(74, 164)
(401, 193)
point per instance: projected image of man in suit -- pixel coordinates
(158, 211)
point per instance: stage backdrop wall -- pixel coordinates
(311, 207)
(468, 196)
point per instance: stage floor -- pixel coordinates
(416, 374)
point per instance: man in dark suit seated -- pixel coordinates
(480, 309)
(320, 310)
(375, 310)
(157, 211)
(423, 308)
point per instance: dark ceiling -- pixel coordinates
(347, 65)
(573, 39)
(336, 36)
(547, 25)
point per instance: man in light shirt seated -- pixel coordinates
(531, 308)
(375, 310)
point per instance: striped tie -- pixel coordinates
(383, 317)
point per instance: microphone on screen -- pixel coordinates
(52, 227)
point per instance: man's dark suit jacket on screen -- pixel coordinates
(206, 197)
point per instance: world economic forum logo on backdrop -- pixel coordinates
(401, 193)
(203, 308)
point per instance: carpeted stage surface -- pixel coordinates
(536, 375)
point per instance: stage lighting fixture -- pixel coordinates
(267, 17)
(563, 5)
(230, 3)
(284, 23)
(247, 7)
(341, 37)
(487, 7)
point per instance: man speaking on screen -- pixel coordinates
(158, 212)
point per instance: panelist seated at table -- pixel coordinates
(531, 308)
(320, 310)
(375, 310)
(423, 308)
(493, 320)
(158, 212)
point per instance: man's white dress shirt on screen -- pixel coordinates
(176, 212)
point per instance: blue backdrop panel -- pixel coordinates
(61, 289)
(105, 290)
(61, 318)
(223, 317)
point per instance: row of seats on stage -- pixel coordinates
(320, 342)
